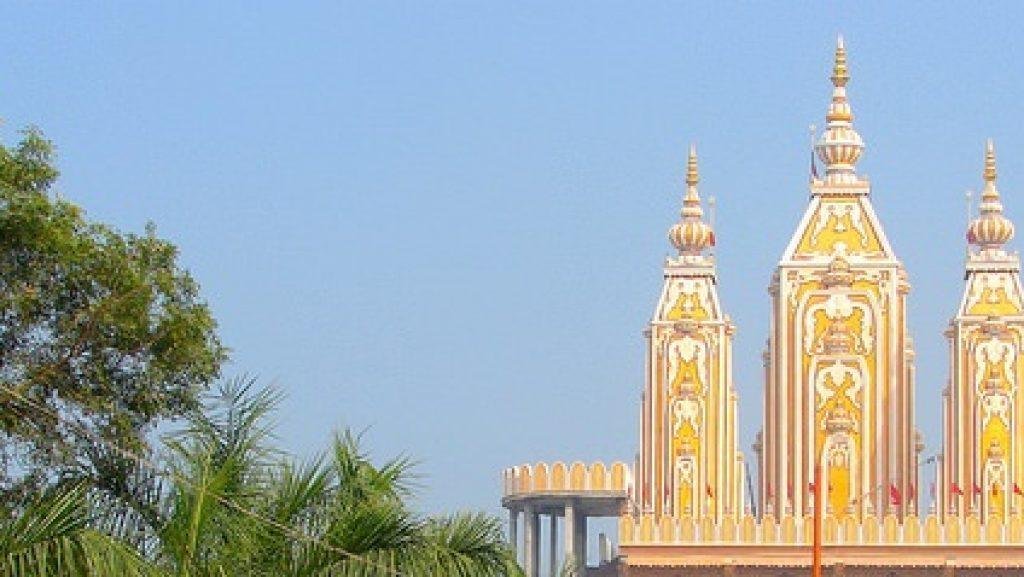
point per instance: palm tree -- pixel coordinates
(237, 506)
(52, 535)
(230, 504)
(349, 504)
(219, 468)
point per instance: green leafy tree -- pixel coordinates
(102, 327)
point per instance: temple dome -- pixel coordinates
(991, 230)
(840, 147)
(691, 235)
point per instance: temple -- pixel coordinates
(837, 461)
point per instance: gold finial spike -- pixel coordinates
(692, 175)
(990, 162)
(840, 76)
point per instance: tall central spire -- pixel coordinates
(840, 146)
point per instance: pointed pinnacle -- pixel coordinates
(840, 75)
(990, 162)
(692, 175)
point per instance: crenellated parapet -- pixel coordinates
(789, 530)
(559, 477)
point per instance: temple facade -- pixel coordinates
(838, 423)
(839, 388)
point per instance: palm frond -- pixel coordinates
(464, 545)
(359, 479)
(52, 538)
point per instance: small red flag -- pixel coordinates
(1016, 490)
(977, 489)
(894, 494)
(956, 489)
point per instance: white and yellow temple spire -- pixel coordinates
(982, 468)
(839, 363)
(689, 463)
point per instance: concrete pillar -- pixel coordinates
(581, 540)
(571, 535)
(513, 532)
(553, 545)
(531, 542)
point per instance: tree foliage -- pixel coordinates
(234, 505)
(52, 536)
(102, 337)
(101, 326)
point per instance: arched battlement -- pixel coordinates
(789, 530)
(579, 477)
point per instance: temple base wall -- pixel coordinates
(839, 561)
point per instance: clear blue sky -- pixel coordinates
(446, 221)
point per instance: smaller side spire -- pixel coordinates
(691, 235)
(991, 230)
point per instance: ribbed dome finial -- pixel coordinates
(691, 235)
(840, 146)
(991, 230)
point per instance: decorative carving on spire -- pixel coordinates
(838, 338)
(840, 146)
(991, 230)
(691, 235)
(838, 274)
(839, 420)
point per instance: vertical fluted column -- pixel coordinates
(513, 531)
(553, 544)
(581, 541)
(571, 537)
(531, 542)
